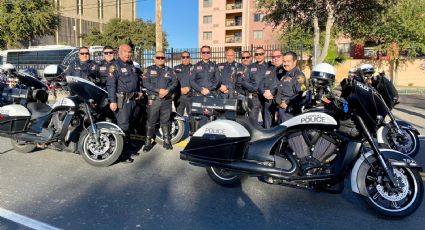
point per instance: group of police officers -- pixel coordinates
(271, 86)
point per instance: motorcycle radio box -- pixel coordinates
(207, 105)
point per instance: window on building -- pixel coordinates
(258, 34)
(80, 4)
(207, 19)
(208, 35)
(258, 17)
(207, 3)
(100, 9)
(118, 8)
(58, 4)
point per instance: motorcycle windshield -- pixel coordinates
(86, 90)
(367, 103)
(30, 81)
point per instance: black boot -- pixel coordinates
(166, 136)
(148, 141)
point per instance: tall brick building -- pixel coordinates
(233, 24)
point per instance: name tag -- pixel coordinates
(102, 68)
(153, 72)
(253, 69)
(199, 67)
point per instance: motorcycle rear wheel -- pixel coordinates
(388, 200)
(22, 148)
(177, 131)
(224, 177)
(103, 155)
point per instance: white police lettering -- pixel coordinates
(215, 131)
(362, 86)
(315, 118)
(4, 111)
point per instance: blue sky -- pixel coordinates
(179, 20)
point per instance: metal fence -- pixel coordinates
(146, 57)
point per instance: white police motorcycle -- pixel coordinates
(315, 150)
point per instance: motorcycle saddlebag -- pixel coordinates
(13, 119)
(220, 140)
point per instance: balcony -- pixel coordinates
(233, 39)
(234, 4)
(233, 22)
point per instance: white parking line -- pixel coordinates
(23, 220)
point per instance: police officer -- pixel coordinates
(160, 82)
(253, 82)
(183, 73)
(246, 59)
(205, 78)
(124, 88)
(103, 65)
(83, 67)
(229, 75)
(291, 87)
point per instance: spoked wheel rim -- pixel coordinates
(102, 151)
(390, 198)
(405, 143)
(173, 130)
(224, 174)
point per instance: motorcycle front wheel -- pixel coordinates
(224, 177)
(389, 200)
(103, 154)
(407, 143)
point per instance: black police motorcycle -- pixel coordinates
(67, 125)
(315, 150)
(394, 133)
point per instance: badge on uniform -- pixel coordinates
(280, 71)
(211, 68)
(111, 70)
(301, 79)
(93, 67)
(253, 69)
(221, 67)
(153, 72)
(150, 102)
(199, 67)
(268, 72)
(102, 68)
(124, 70)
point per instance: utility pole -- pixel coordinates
(158, 25)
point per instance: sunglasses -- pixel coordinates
(206, 52)
(277, 56)
(84, 53)
(185, 57)
(108, 52)
(160, 58)
(245, 57)
(259, 54)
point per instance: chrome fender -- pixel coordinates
(108, 127)
(396, 158)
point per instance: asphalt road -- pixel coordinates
(159, 191)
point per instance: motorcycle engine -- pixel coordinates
(314, 149)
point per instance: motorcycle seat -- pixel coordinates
(259, 133)
(38, 109)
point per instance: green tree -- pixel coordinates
(402, 28)
(139, 33)
(316, 16)
(22, 20)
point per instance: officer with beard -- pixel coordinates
(290, 88)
